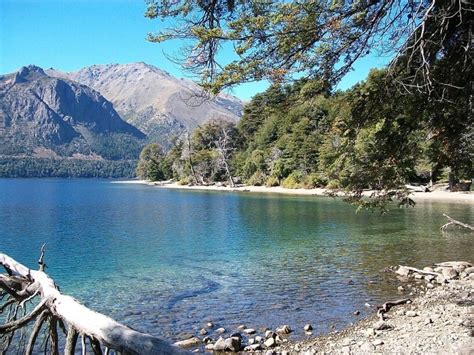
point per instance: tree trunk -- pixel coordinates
(23, 284)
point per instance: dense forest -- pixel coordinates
(66, 168)
(306, 135)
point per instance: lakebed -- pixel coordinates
(166, 261)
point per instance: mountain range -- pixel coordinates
(155, 102)
(101, 112)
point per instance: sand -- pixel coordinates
(446, 196)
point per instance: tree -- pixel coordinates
(150, 166)
(213, 146)
(275, 40)
(53, 313)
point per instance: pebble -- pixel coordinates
(187, 343)
(269, 334)
(220, 331)
(233, 344)
(203, 331)
(270, 342)
(210, 325)
(284, 329)
(411, 313)
(209, 347)
(207, 340)
(241, 327)
(400, 288)
(253, 347)
(381, 325)
(220, 344)
(403, 271)
(356, 313)
(377, 342)
(370, 332)
(429, 285)
(249, 331)
(258, 339)
(308, 327)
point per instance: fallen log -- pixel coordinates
(22, 284)
(414, 269)
(452, 221)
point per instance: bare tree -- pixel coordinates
(224, 148)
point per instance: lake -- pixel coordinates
(165, 261)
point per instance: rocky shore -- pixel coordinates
(434, 315)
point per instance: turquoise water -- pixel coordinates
(164, 261)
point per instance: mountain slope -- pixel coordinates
(153, 101)
(50, 117)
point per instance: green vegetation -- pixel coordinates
(409, 123)
(68, 168)
(304, 136)
(151, 165)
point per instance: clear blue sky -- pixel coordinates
(70, 34)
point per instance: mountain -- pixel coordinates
(48, 117)
(152, 100)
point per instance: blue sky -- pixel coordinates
(70, 34)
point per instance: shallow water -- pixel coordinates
(164, 261)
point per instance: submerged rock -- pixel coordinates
(188, 343)
(284, 329)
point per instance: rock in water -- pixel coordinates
(284, 329)
(188, 343)
(308, 327)
(449, 273)
(270, 342)
(249, 331)
(233, 344)
(403, 271)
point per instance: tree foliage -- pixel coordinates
(319, 39)
(151, 165)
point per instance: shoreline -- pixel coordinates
(433, 315)
(441, 196)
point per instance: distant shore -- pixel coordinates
(447, 196)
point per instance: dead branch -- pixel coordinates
(414, 269)
(22, 284)
(34, 333)
(381, 310)
(452, 221)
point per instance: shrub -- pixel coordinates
(257, 179)
(314, 180)
(272, 181)
(293, 181)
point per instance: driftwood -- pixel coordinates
(452, 221)
(423, 272)
(22, 286)
(381, 310)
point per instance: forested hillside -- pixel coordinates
(372, 136)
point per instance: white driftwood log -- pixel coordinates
(80, 320)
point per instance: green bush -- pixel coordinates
(333, 184)
(314, 180)
(257, 179)
(293, 181)
(184, 181)
(272, 181)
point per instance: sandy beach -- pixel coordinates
(457, 197)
